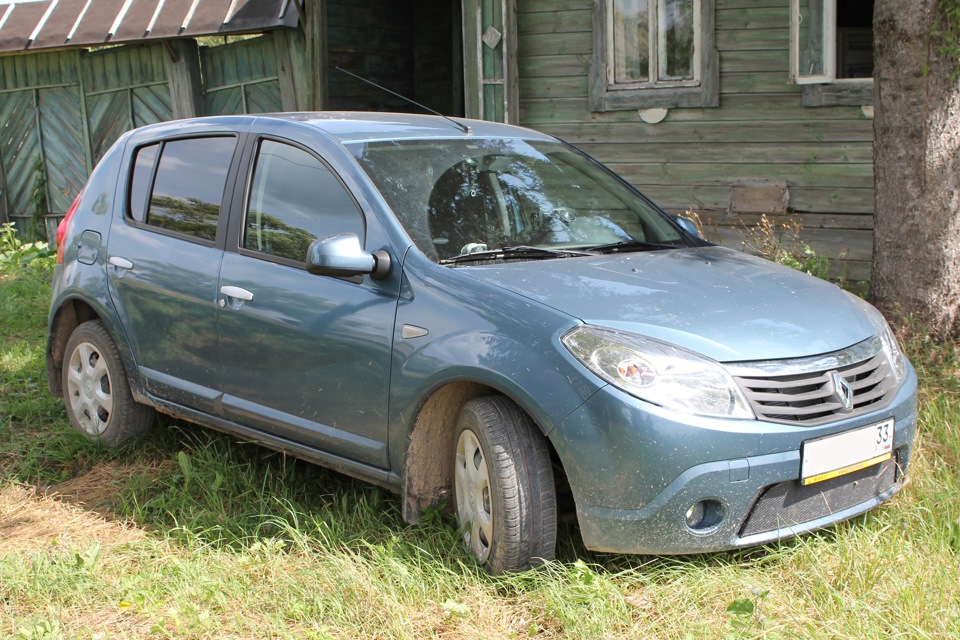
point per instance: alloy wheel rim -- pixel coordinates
(474, 502)
(89, 389)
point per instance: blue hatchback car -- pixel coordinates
(473, 314)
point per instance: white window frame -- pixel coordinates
(825, 89)
(701, 91)
(829, 40)
(829, 45)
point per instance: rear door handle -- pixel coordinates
(236, 293)
(121, 263)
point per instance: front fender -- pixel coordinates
(479, 334)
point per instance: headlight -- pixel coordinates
(657, 372)
(898, 361)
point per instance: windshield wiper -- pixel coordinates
(521, 251)
(629, 245)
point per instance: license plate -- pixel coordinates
(843, 453)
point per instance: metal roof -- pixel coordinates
(47, 24)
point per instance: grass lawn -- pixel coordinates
(192, 534)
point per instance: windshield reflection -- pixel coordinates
(458, 197)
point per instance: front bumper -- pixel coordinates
(635, 470)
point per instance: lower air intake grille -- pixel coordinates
(790, 503)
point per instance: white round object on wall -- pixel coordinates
(653, 116)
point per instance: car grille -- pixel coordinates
(802, 391)
(791, 503)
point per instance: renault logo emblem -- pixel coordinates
(842, 390)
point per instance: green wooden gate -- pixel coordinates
(241, 77)
(61, 145)
(19, 149)
(64, 109)
(125, 88)
(42, 127)
(60, 111)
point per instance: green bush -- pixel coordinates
(14, 251)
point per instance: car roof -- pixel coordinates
(359, 126)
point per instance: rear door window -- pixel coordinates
(294, 199)
(185, 180)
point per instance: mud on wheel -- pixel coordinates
(504, 488)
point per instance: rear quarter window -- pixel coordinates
(178, 185)
(143, 166)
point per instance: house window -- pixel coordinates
(654, 53)
(831, 51)
(652, 42)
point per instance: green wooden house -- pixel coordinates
(730, 108)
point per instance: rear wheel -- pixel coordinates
(503, 481)
(96, 390)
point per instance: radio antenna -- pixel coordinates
(459, 125)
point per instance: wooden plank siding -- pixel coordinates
(61, 124)
(40, 122)
(19, 149)
(124, 87)
(241, 77)
(66, 108)
(761, 132)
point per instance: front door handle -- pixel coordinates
(236, 293)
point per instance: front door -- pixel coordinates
(304, 357)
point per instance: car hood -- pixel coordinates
(721, 303)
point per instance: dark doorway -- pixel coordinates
(413, 47)
(854, 38)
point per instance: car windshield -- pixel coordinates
(464, 197)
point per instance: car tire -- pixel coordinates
(503, 485)
(96, 390)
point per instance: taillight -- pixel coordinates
(62, 227)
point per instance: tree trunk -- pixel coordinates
(916, 158)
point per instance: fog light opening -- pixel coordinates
(704, 515)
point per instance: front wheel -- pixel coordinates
(503, 480)
(96, 391)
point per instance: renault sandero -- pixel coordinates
(474, 315)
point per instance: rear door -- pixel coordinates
(164, 259)
(304, 357)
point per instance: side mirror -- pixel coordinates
(687, 225)
(342, 256)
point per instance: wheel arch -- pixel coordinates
(428, 465)
(72, 313)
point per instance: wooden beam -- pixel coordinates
(471, 60)
(315, 58)
(293, 70)
(183, 74)
(511, 86)
(3, 195)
